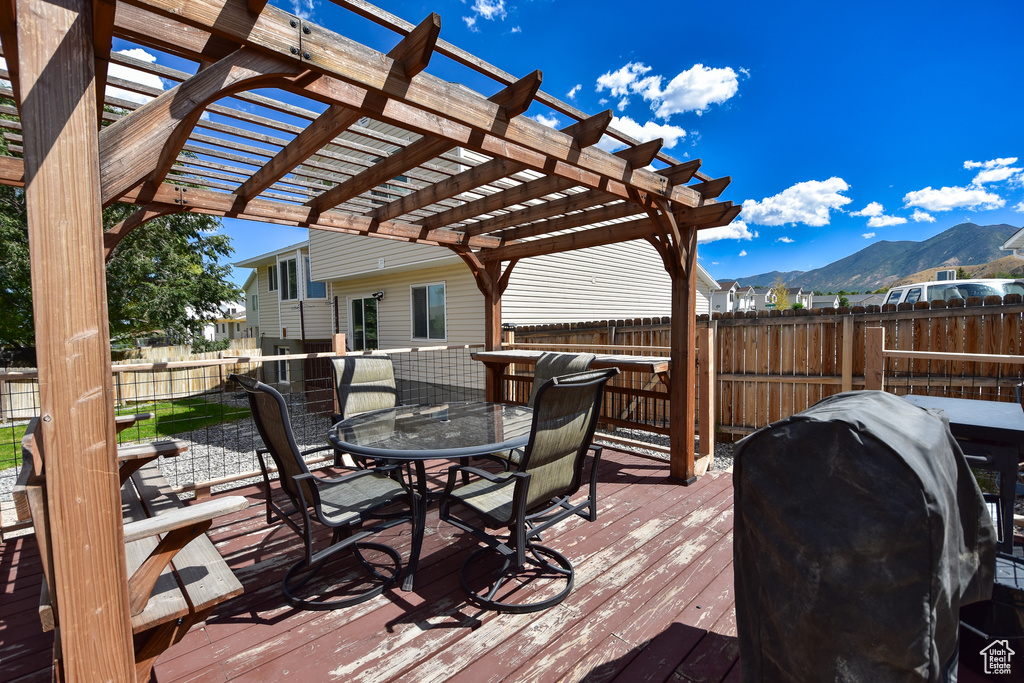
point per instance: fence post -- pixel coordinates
(847, 367)
(706, 393)
(874, 359)
(338, 346)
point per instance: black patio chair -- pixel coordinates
(549, 366)
(344, 504)
(362, 384)
(533, 498)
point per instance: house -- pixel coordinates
(764, 298)
(230, 324)
(797, 295)
(252, 305)
(1015, 244)
(824, 301)
(389, 294)
(865, 299)
(733, 297)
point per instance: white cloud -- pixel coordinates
(486, 9)
(625, 80)
(786, 240)
(572, 93)
(647, 131)
(995, 175)
(807, 202)
(549, 121)
(1019, 208)
(303, 9)
(490, 9)
(737, 230)
(742, 253)
(692, 90)
(517, 29)
(949, 198)
(868, 235)
(872, 209)
(922, 216)
(126, 73)
(993, 163)
(885, 221)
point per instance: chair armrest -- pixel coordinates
(317, 449)
(132, 458)
(148, 451)
(123, 422)
(183, 517)
(324, 482)
(455, 470)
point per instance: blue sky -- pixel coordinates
(841, 124)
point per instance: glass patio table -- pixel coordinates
(418, 433)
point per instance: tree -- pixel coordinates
(781, 294)
(167, 275)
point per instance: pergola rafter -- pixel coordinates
(357, 142)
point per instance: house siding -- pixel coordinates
(464, 304)
(336, 255)
(626, 280)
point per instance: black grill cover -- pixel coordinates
(860, 531)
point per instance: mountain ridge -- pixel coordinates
(885, 262)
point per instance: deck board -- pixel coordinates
(656, 551)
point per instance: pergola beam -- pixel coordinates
(463, 117)
(132, 148)
(319, 133)
(534, 189)
(513, 101)
(9, 41)
(584, 133)
(222, 204)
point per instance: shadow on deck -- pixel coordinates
(653, 600)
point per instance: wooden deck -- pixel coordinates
(653, 601)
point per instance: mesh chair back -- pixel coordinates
(551, 365)
(270, 413)
(364, 383)
(564, 419)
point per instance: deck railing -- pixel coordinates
(195, 402)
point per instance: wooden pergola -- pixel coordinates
(376, 152)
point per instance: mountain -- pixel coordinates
(883, 263)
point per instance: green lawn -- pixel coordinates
(172, 417)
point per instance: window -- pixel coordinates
(314, 290)
(272, 278)
(363, 324)
(913, 296)
(282, 365)
(238, 327)
(289, 280)
(255, 302)
(428, 312)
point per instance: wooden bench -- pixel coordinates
(175, 574)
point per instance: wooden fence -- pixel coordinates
(773, 364)
(154, 374)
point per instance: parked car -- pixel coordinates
(952, 289)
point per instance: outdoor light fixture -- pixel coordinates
(379, 296)
(506, 327)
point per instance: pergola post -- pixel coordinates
(682, 427)
(58, 104)
(492, 282)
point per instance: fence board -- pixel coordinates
(772, 366)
